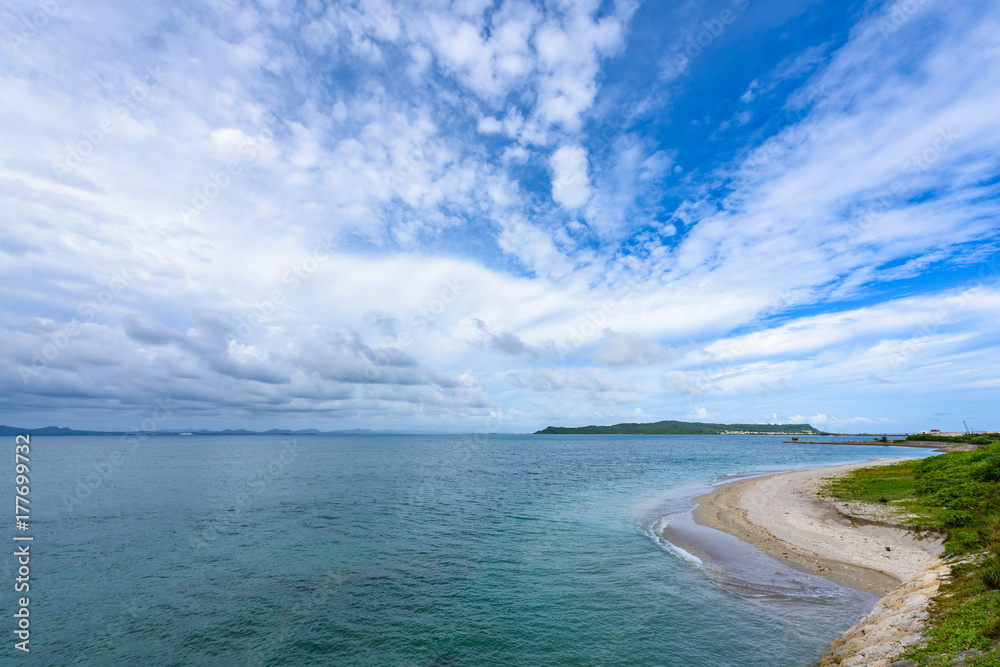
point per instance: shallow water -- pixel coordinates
(410, 550)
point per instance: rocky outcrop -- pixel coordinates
(895, 624)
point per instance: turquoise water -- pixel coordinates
(405, 550)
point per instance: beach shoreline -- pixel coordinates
(782, 516)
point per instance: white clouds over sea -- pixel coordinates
(438, 215)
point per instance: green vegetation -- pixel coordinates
(970, 438)
(957, 493)
(681, 428)
(871, 485)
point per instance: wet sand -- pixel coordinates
(783, 516)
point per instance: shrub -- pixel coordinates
(990, 574)
(989, 469)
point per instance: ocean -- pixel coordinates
(440, 551)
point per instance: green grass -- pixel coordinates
(876, 485)
(958, 494)
(970, 438)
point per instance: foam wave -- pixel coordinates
(655, 533)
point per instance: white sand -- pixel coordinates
(784, 517)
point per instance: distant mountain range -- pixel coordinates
(656, 428)
(59, 430)
(682, 428)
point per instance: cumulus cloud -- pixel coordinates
(570, 180)
(533, 247)
(699, 413)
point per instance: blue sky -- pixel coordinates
(496, 216)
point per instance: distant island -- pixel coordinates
(684, 428)
(61, 430)
(655, 428)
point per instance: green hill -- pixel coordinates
(681, 428)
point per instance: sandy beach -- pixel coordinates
(783, 516)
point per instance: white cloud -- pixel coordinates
(488, 65)
(533, 247)
(569, 54)
(699, 413)
(550, 379)
(622, 349)
(489, 125)
(570, 180)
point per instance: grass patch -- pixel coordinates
(957, 493)
(893, 483)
